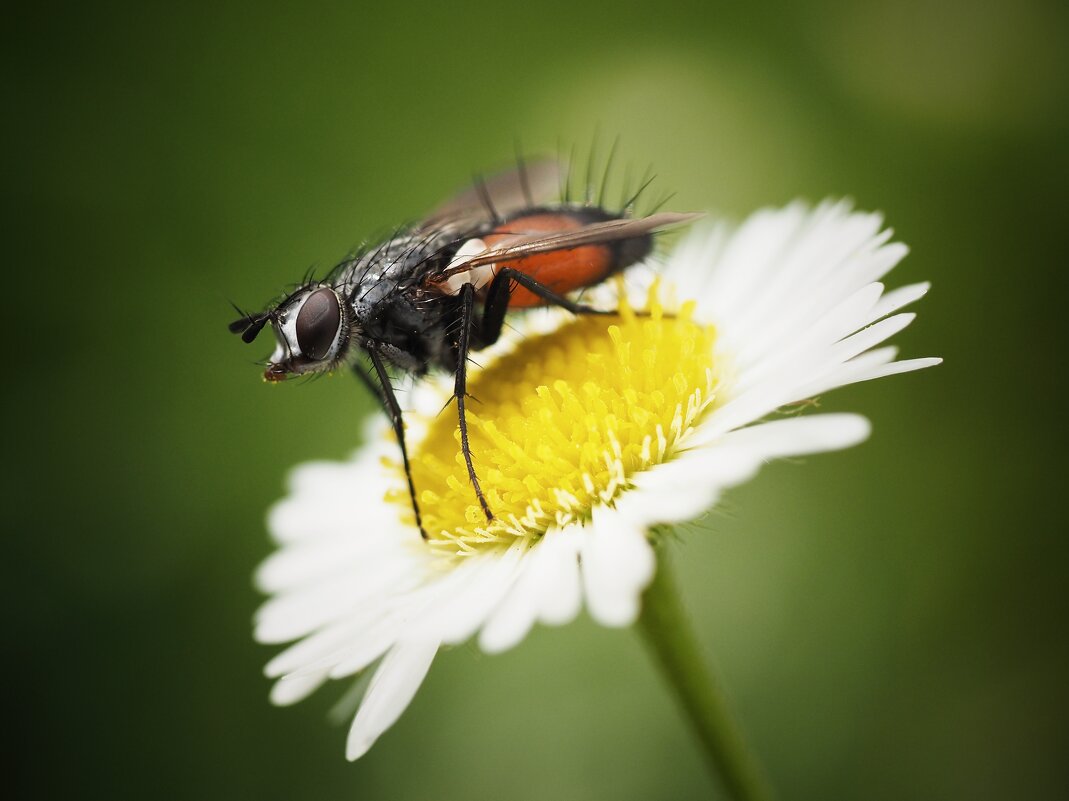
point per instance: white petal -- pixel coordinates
(906, 366)
(792, 263)
(617, 565)
(307, 562)
(547, 588)
(784, 288)
(672, 492)
(458, 604)
(873, 335)
(792, 349)
(392, 688)
(318, 478)
(900, 298)
(291, 689)
(322, 649)
(689, 484)
(561, 590)
(307, 516)
(511, 622)
(860, 369)
(364, 650)
(300, 612)
(798, 436)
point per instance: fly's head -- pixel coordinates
(313, 330)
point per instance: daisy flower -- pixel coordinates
(588, 433)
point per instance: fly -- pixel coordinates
(432, 294)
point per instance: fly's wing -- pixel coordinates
(522, 245)
(529, 184)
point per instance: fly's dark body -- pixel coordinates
(429, 296)
(391, 307)
(396, 302)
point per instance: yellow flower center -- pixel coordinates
(562, 423)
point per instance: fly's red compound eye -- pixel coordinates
(318, 323)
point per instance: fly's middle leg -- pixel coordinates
(467, 314)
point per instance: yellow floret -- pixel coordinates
(562, 423)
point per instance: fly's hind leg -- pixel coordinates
(467, 316)
(500, 292)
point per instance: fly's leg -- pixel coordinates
(467, 316)
(500, 292)
(393, 410)
(369, 382)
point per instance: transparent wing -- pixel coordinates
(596, 233)
(528, 184)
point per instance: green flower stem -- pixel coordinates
(666, 630)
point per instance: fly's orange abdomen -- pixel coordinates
(563, 271)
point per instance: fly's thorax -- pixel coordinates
(398, 264)
(313, 328)
(408, 330)
(391, 306)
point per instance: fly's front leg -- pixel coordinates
(467, 315)
(369, 382)
(393, 410)
(500, 292)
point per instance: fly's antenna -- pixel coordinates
(249, 325)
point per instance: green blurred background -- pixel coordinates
(886, 619)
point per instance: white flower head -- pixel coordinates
(587, 433)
